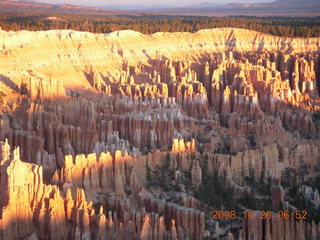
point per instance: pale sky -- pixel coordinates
(144, 2)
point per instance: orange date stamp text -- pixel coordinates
(283, 214)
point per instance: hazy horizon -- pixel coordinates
(146, 2)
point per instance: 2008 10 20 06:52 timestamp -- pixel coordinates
(285, 214)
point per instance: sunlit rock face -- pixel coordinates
(88, 117)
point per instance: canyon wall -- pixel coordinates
(71, 56)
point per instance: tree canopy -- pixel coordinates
(148, 24)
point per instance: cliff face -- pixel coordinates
(114, 134)
(61, 54)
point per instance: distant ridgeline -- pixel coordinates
(147, 24)
(30, 1)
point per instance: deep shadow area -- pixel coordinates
(7, 81)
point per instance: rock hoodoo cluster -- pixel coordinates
(112, 136)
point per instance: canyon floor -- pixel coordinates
(132, 136)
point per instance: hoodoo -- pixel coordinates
(132, 136)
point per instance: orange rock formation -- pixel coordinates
(88, 115)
